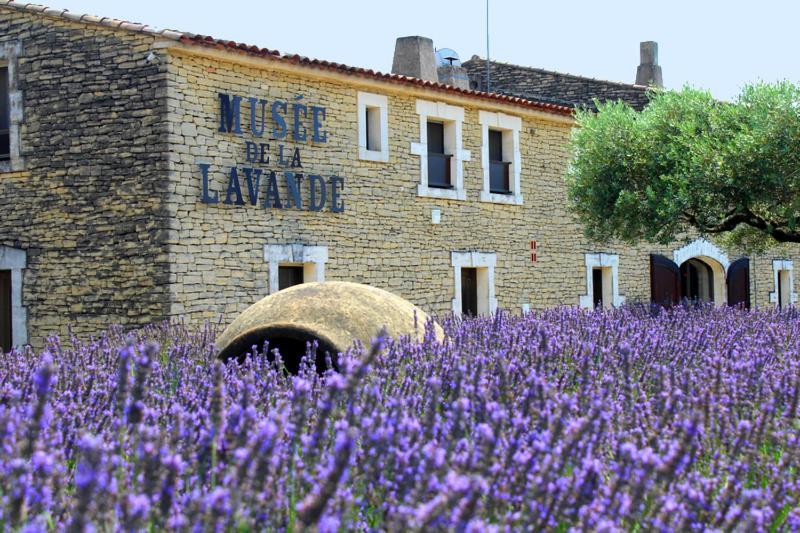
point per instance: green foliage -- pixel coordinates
(688, 161)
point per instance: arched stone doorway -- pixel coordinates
(701, 272)
(702, 267)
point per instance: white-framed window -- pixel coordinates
(14, 317)
(290, 264)
(373, 127)
(602, 282)
(783, 280)
(440, 151)
(473, 275)
(10, 109)
(500, 158)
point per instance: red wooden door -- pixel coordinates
(665, 281)
(739, 283)
(5, 310)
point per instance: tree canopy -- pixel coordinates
(688, 161)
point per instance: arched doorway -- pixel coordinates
(697, 281)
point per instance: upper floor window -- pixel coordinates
(498, 167)
(440, 151)
(5, 116)
(501, 159)
(11, 108)
(439, 174)
(373, 127)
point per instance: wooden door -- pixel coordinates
(469, 291)
(665, 281)
(5, 310)
(739, 283)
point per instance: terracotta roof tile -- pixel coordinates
(207, 41)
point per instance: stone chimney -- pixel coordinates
(454, 75)
(413, 56)
(649, 71)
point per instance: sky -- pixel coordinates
(709, 44)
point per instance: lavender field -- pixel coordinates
(564, 420)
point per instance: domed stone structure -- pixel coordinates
(333, 313)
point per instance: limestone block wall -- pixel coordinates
(385, 236)
(87, 203)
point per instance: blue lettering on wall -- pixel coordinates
(317, 193)
(273, 197)
(337, 186)
(317, 116)
(207, 198)
(299, 130)
(253, 178)
(279, 131)
(230, 120)
(307, 125)
(233, 187)
(293, 184)
(321, 192)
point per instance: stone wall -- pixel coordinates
(385, 236)
(88, 205)
(105, 198)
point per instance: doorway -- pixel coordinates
(469, 291)
(6, 335)
(697, 281)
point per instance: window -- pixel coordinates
(602, 285)
(473, 274)
(440, 151)
(373, 127)
(498, 167)
(500, 157)
(438, 161)
(5, 116)
(292, 264)
(13, 316)
(783, 272)
(289, 276)
(10, 109)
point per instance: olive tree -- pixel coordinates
(688, 161)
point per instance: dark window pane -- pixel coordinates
(495, 145)
(366, 122)
(4, 118)
(597, 287)
(435, 138)
(289, 276)
(4, 146)
(499, 177)
(439, 170)
(469, 291)
(5, 310)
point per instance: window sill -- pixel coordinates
(499, 198)
(436, 192)
(11, 165)
(373, 155)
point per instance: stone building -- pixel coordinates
(148, 174)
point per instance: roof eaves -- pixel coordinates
(369, 73)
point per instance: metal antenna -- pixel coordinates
(488, 79)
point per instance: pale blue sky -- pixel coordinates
(716, 45)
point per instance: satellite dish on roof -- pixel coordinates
(447, 57)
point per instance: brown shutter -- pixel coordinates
(665, 281)
(739, 283)
(5, 310)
